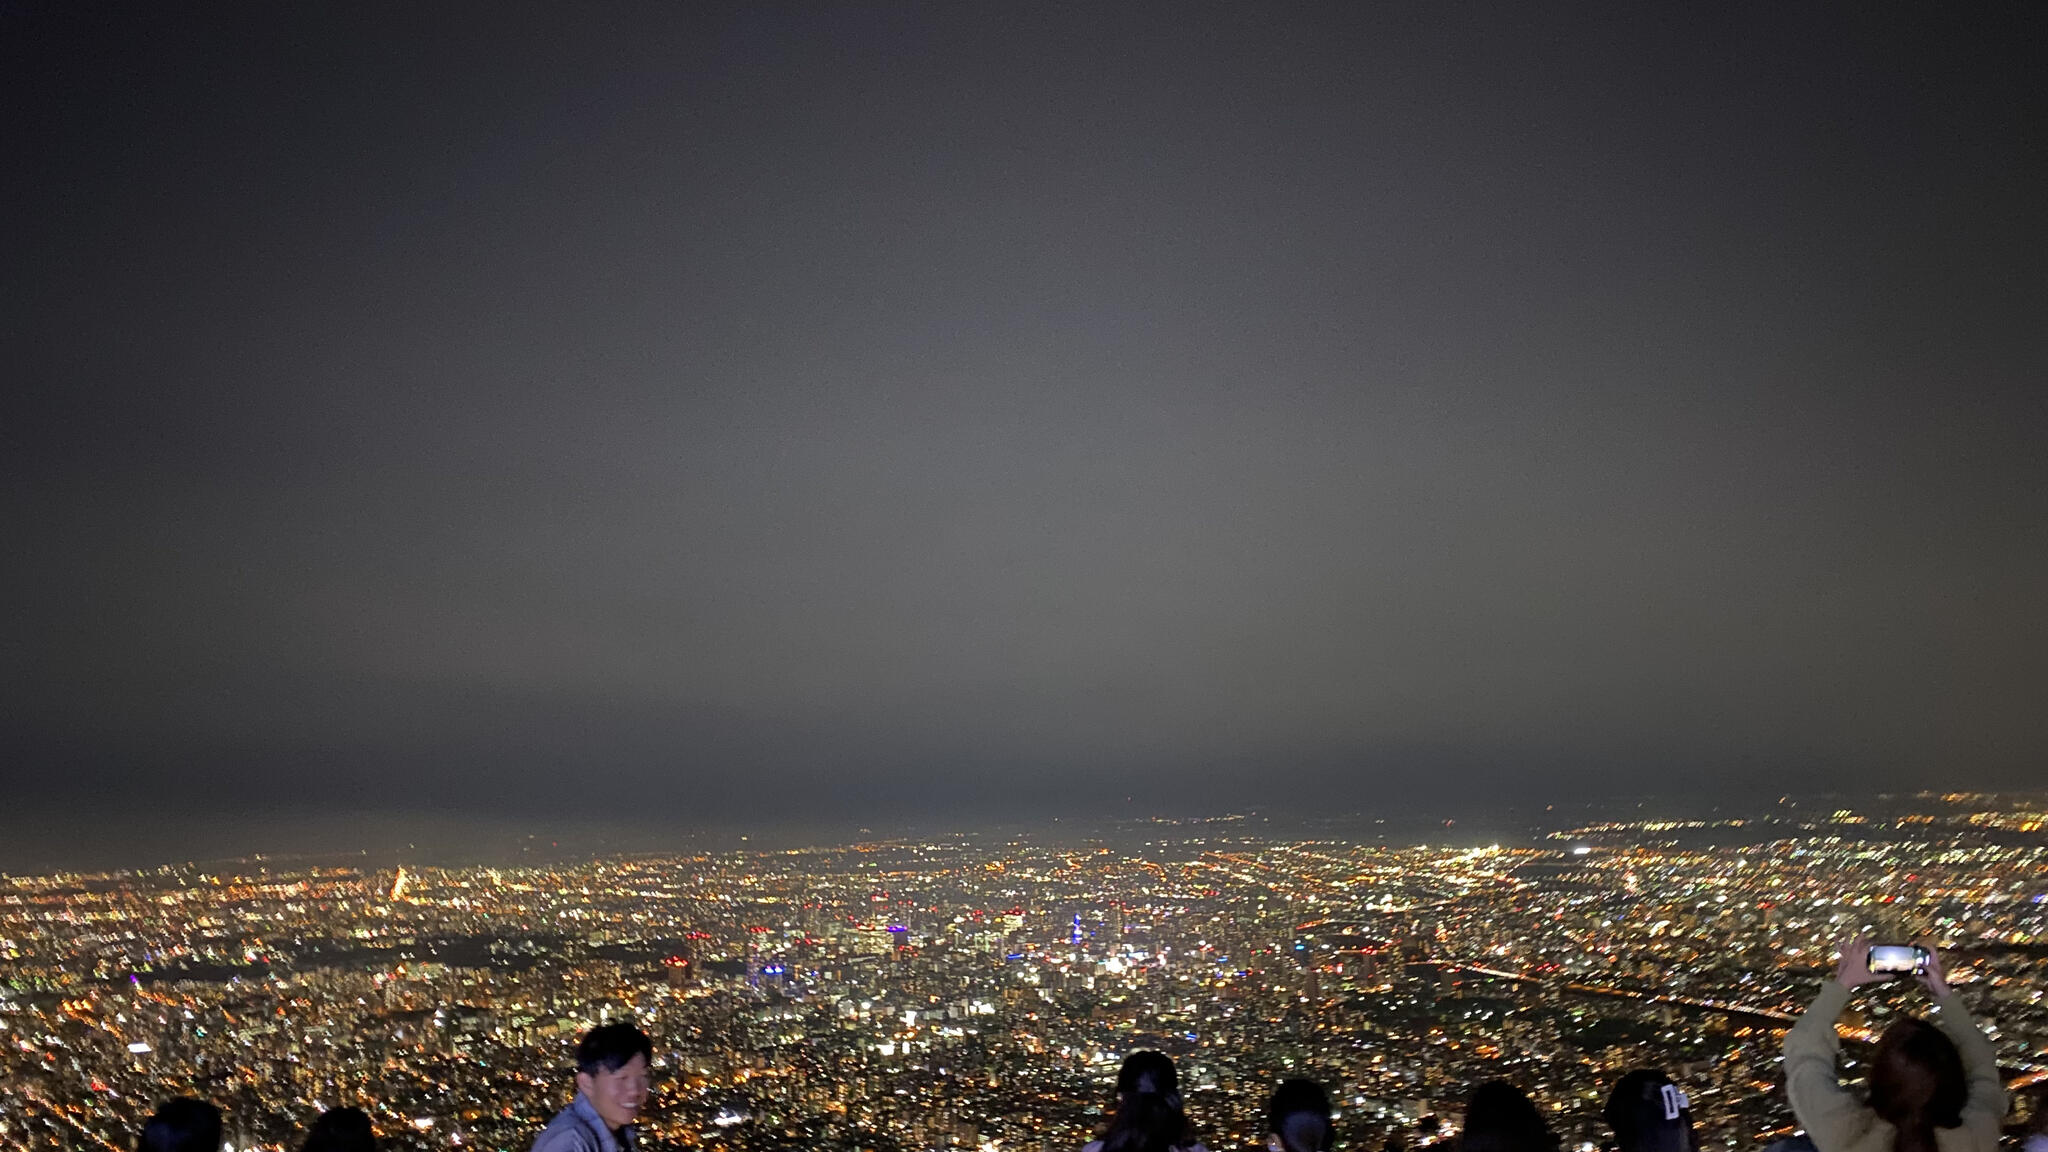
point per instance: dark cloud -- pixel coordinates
(971, 411)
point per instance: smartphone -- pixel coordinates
(1897, 960)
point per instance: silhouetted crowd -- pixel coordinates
(188, 1125)
(1932, 1087)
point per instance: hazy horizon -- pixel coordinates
(386, 838)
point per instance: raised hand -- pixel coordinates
(1933, 978)
(1853, 969)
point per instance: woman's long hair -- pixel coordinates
(1917, 1083)
(1148, 1110)
(1500, 1119)
(1299, 1115)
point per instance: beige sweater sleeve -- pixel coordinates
(1986, 1103)
(1831, 1116)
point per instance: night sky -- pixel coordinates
(710, 414)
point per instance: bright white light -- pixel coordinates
(423, 1123)
(138, 1048)
(1580, 850)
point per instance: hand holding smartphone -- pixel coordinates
(1896, 960)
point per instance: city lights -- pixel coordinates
(976, 991)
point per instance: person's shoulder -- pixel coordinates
(1978, 1133)
(565, 1133)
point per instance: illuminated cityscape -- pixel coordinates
(976, 991)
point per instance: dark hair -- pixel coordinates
(1148, 1116)
(181, 1124)
(341, 1130)
(1499, 1118)
(1646, 1118)
(1917, 1082)
(1299, 1114)
(610, 1047)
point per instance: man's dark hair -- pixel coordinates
(610, 1047)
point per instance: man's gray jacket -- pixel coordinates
(578, 1128)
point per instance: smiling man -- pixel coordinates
(611, 1086)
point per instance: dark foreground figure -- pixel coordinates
(182, 1125)
(1298, 1118)
(1499, 1118)
(1148, 1114)
(1649, 1114)
(341, 1130)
